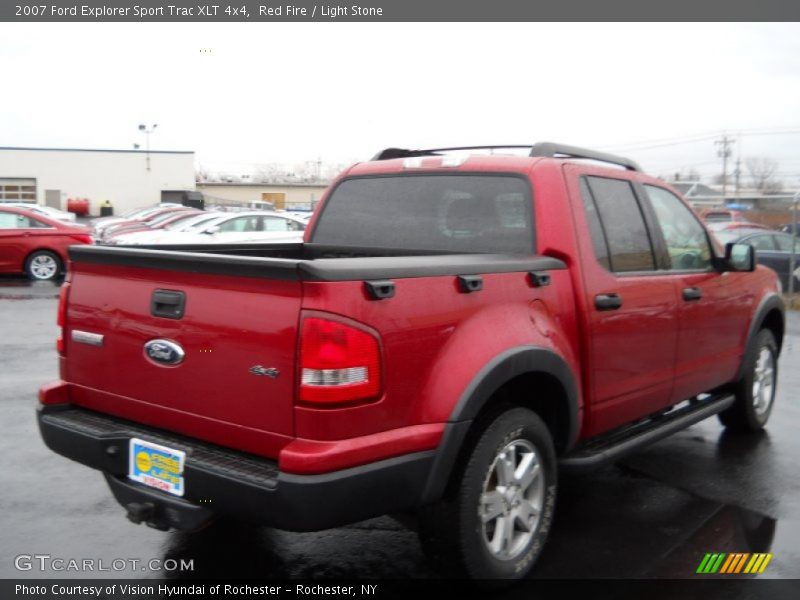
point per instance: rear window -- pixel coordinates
(450, 213)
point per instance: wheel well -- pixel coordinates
(774, 322)
(540, 392)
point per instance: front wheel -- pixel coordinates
(755, 392)
(497, 513)
(43, 265)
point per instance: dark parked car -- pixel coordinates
(773, 249)
(36, 245)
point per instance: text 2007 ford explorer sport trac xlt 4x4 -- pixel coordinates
(454, 329)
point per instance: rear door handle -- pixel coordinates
(608, 301)
(692, 293)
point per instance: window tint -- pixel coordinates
(762, 242)
(622, 221)
(684, 235)
(785, 244)
(15, 221)
(276, 224)
(595, 228)
(240, 224)
(456, 213)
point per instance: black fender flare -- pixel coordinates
(768, 303)
(499, 371)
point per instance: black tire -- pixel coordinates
(750, 413)
(452, 531)
(43, 265)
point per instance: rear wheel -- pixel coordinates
(496, 515)
(43, 265)
(755, 392)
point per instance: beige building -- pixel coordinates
(128, 178)
(302, 196)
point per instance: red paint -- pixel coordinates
(433, 341)
(17, 244)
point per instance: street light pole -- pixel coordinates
(147, 131)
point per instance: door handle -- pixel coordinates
(607, 301)
(692, 293)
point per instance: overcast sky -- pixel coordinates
(246, 93)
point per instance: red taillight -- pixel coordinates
(61, 319)
(338, 363)
(83, 238)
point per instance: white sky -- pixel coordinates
(337, 91)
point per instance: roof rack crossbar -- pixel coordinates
(542, 149)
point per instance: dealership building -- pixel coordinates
(126, 178)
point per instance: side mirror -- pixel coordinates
(212, 230)
(740, 257)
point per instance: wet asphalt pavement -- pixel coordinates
(654, 515)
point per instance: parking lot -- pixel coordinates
(653, 515)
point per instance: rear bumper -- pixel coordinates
(219, 481)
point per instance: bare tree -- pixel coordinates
(201, 174)
(269, 173)
(763, 174)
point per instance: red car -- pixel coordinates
(453, 332)
(36, 245)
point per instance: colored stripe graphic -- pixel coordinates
(734, 563)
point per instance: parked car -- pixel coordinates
(151, 223)
(731, 225)
(36, 245)
(243, 227)
(108, 229)
(713, 215)
(101, 222)
(47, 211)
(773, 250)
(157, 236)
(445, 340)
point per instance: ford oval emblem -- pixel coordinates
(164, 352)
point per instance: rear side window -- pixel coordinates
(620, 223)
(451, 213)
(17, 221)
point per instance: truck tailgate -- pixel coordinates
(235, 383)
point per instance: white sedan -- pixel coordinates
(226, 228)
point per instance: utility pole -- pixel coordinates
(725, 143)
(738, 172)
(793, 256)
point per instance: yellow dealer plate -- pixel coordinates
(156, 466)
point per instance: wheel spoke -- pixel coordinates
(531, 475)
(492, 505)
(525, 514)
(505, 468)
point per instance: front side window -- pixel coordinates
(621, 221)
(784, 243)
(764, 243)
(684, 236)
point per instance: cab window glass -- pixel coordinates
(622, 222)
(685, 237)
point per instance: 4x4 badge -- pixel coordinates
(266, 371)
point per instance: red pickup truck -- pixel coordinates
(455, 328)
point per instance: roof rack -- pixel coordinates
(544, 149)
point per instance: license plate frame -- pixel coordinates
(156, 466)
